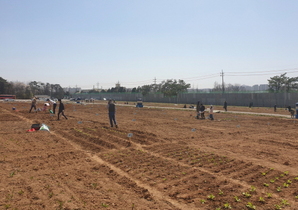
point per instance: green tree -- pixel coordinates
(173, 87)
(282, 83)
(4, 86)
(276, 83)
(145, 89)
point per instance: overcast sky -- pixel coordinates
(96, 43)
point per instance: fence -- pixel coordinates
(233, 99)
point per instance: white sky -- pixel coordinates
(100, 42)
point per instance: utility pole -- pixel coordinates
(222, 81)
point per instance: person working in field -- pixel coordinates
(61, 109)
(202, 111)
(53, 103)
(198, 107)
(211, 113)
(112, 110)
(45, 106)
(33, 104)
(225, 106)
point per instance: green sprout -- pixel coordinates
(284, 202)
(227, 206)
(104, 205)
(237, 199)
(250, 205)
(263, 173)
(246, 194)
(211, 197)
(252, 189)
(277, 206)
(261, 199)
(203, 201)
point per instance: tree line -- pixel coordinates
(169, 88)
(23, 91)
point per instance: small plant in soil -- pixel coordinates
(246, 194)
(284, 202)
(272, 180)
(12, 174)
(105, 205)
(261, 199)
(51, 194)
(269, 195)
(237, 199)
(266, 185)
(278, 189)
(227, 206)
(286, 185)
(252, 189)
(250, 205)
(202, 201)
(211, 197)
(277, 206)
(6, 206)
(220, 192)
(21, 192)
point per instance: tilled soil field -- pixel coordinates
(158, 158)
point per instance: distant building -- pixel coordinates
(42, 97)
(72, 90)
(263, 87)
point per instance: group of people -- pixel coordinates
(200, 108)
(52, 103)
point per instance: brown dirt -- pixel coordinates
(172, 160)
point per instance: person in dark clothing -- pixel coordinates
(275, 108)
(225, 106)
(61, 109)
(250, 104)
(202, 111)
(33, 104)
(112, 111)
(198, 107)
(289, 108)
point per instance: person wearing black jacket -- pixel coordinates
(61, 109)
(198, 109)
(112, 111)
(202, 110)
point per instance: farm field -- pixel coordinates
(158, 158)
